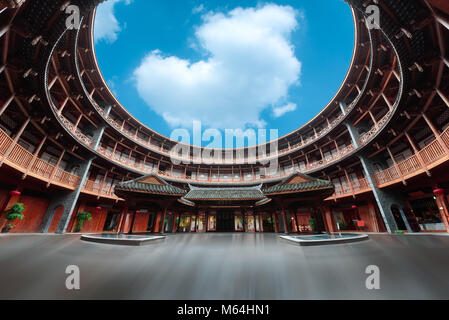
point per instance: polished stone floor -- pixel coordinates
(224, 266)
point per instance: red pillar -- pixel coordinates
(373, 217)
(285, 222)
(275, 222)
(329, 221)
(441, 199)
(122, 219)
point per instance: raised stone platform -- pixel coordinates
(325, 239)
(121, 239)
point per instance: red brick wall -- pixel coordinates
(35, 209)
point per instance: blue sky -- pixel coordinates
(229, 64)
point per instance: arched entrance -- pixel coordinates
(56, 218)
(398, 218)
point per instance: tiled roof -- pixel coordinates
(313, 184)
(243, 193)
(150, 188)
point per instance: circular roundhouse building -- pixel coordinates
(375, 159)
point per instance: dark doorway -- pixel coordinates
(267, 223)
(225, 221)
(150, 224)
(111, 221)
(398, 218)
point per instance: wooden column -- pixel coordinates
(132, 223)
(102, 184)
(35, 156)
(163, 220)
(329, 221)
(52, 175)
(443, 207)
(390, 106)
(64, 103)
(373, 217)
(436, 133)
(6, 104)
(349, 182)
(77, 122)
(417, 153)
(276, 226)
(123, 216)
(401, 176)
(372, 118)
(443, 97)
(16, 139)
(284, 219)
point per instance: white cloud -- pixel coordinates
(107, 27)
(251, 67)
(198, 9)
(280, 111)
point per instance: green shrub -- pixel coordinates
(14, 213)
(312, 223)
(82, 216)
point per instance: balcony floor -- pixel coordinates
(224, 266)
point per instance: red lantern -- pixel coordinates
(98, 208)
(15, 193)
(438, 192)
(170, 213)
(137, 212)
(354, 207)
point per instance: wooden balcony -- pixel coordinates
(367, 136)
(17, 157)
(77, 132)
(100, 190)
(147, 143)
(140, 166)
(352, 188)
(432, 155)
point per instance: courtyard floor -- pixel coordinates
(224, 266)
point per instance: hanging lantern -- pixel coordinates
(438, 192)
(170, 213)
(15, 193)
(98, 208)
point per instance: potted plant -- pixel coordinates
(12, 214)
(82, 216)
(312, 223)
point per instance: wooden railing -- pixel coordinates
(76, 131)
(361, 185)
(364, 138)
(351, 188)
(99, 190)
(430, 154)
(21, 159)
(151, 146)
(140, 166)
